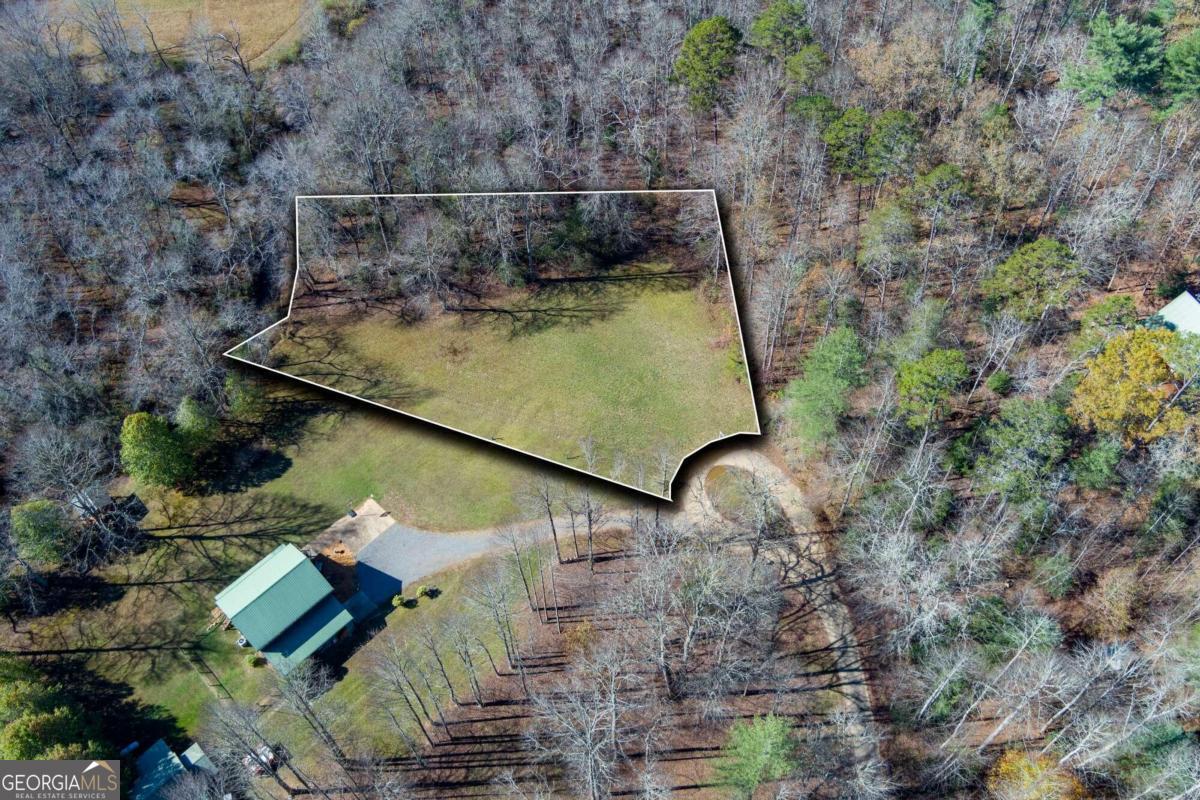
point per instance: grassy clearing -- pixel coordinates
(184, 692)
(268, 28)
(425, 477)
(652, 372)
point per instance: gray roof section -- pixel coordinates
(156, 768)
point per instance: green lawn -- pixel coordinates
(425, 477)
(155, 604)
(657, 369)
(184, 692)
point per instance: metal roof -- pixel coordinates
(308, 635)
(273, 594)
(1182, 314)
(156, 768)
(195, 758)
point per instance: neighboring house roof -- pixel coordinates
(195, 758)
(284, 607)
(94, 498)
(1182, 314)
(156, 768)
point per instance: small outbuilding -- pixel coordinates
(285, 608)
(1182, 314)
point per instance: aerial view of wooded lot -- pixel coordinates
(961, 560)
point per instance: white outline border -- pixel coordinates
(679, 466)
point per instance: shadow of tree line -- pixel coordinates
(573, 300)
(314, 349)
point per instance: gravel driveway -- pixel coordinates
(400, 556)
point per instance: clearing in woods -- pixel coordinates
(594, 330)
(268, 28)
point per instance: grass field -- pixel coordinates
(268, 28)
(184, 693)
(425, 477)
(660, 370)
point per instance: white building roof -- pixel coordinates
(1183, 314)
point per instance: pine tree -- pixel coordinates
(780, 30)
(847, 137)
(1037, 277)
(891, 147)
(1121, 54)
(1182, 79)
(706, 60)
(832, 369)
(926, 385)
(757, 751)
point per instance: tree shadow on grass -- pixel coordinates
(249, 453)
(239, 466)
(573, 301)
(319, 353)
(121, 717)
(141, 619)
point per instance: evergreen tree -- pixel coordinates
(816, 109)
(196, 423)
(832, 369)
(42, 531)
(1037, 277)
(891, 147)
(780, 30)
(926, 385)
(39, 720)
(154, 453)
(1182, 79)
(847, 137)
(706, 60)
(1102, 321)
(1021, 447)
(1121, 54)
(805, 65)
(757, 751)
(939, 190)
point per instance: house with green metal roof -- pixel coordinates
(284, 607)
(1182, 314)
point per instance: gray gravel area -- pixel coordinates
(400, 557)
